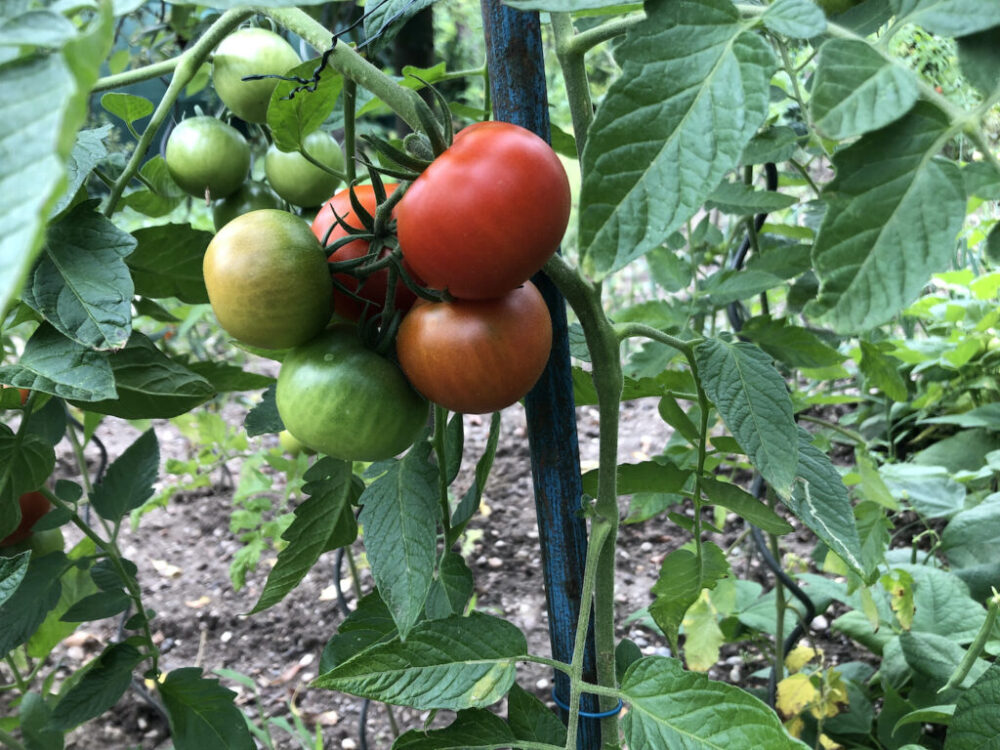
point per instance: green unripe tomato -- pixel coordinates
(250, 52)
(206, 154)
(291, 445)
(296, 179)
(267, 280)
(340, 398)
(44, 542)
(252, 196)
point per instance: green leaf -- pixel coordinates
(88, 151)
(753, 400)
(129, 481)
(44, 28)
(37, 726)
(934, 658)
(798, 19)
(821, 502)
(776, 144)
(474, 495)
(455, 663)
(987, 416)
(974, 725)
(930, 715)
(81, 284)
(52, 363)
(400, 520)
(745, 505)
(165, 196)
(473, 729)
(857, 90)
(127, 107)
(882, 372)
(387, 19)
(682, 577)
(451, 590)
(979, 58)
(568, 6)
(292, 119)
(75, 584)
(12, 572)
(972, 536)
(105, 681)
(667, 130)
(202, 713)
(947, 17)
(150, 384)
(44, 104)
(264, 418)
(732, 286)
(929, 490)
(326, 515)
(741, 199)
(659, 475)
(943, 604)
(790, 344)
(25, 463)
(669, 707)
(963, 451)
(877, 245)
(226, 378)
(167, 262)
(97, 607)
(370, 623)
(531, 720)
(38, 593)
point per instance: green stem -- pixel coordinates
(7, 740)
(974, 650)
(585, 41)
(352, 566)
(805, 174)
(19, 680)
(350, 143)
(851, 435)
(186, 68)
(574, 72)
(129, 77)
(325, 167)
(780, 606)
(440, 450)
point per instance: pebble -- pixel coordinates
(542, 684)
(820, 623)
(646, 547)
(640, 641)
(348, 744)
(495, 562)
(226, 637)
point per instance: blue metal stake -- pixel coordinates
(517, 83)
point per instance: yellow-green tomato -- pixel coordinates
(252, 196)
(250, 52)
(298, 180)
(207, 155)
(291, 445)
(267, 280)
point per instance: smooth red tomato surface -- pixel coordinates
(327, 229)
(476, 356)
(34, 505)
(487, 213)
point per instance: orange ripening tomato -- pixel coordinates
(34, 505)
(476, 356)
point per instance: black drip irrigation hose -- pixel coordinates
(736, 314)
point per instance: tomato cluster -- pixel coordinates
(439, 274)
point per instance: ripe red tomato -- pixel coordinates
(374, 287)
(487, 213)
(476, 356)
(34, 505)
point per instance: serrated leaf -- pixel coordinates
(972, 726)
(167, 262)
(531, 720)
(399, 514)
(741, 199)
(821, 502)
(263, 418)
(52, 363)
(88, 151)
(81, 284)
(150, 385)
(370, 623)
(669, 707)
(667, 131)
(12, 572)
(744, 504)
(455, 663)
(682, 577)
(105, 681)
(790, 344)
(38, 593)
(753, 400)
(948, 17)
(129, 481)
(473, 729)
(326, 514)
(26, 461)
(857, 90)
(202, 713)
(44, 104)
(893, 216)
(798, 19)
(451, 590)
(226, 378)
(292, 119)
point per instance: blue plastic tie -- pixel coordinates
(588, 714)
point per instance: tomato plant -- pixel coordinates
(267, 280)
(476, 356)
(206, 156)
(487, 213)
(298, 180)
(252, 196)
(34, 505)
(328, 229)
(340, 398)
(249, 52)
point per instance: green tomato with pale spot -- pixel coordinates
(299, 181)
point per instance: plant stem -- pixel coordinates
(7, 740)
(350, 98)
(119, 80)
(18, 678)
(355, 578)
(440, 450)
(325, 167)
(585, 41)
(855, 437)
(574, 73)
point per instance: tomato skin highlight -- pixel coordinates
(487, 213)
(374, 288)
(245, 52)
(476, 356)
(340, 398)
(204, 153)
(34, 505)
(267, 280)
